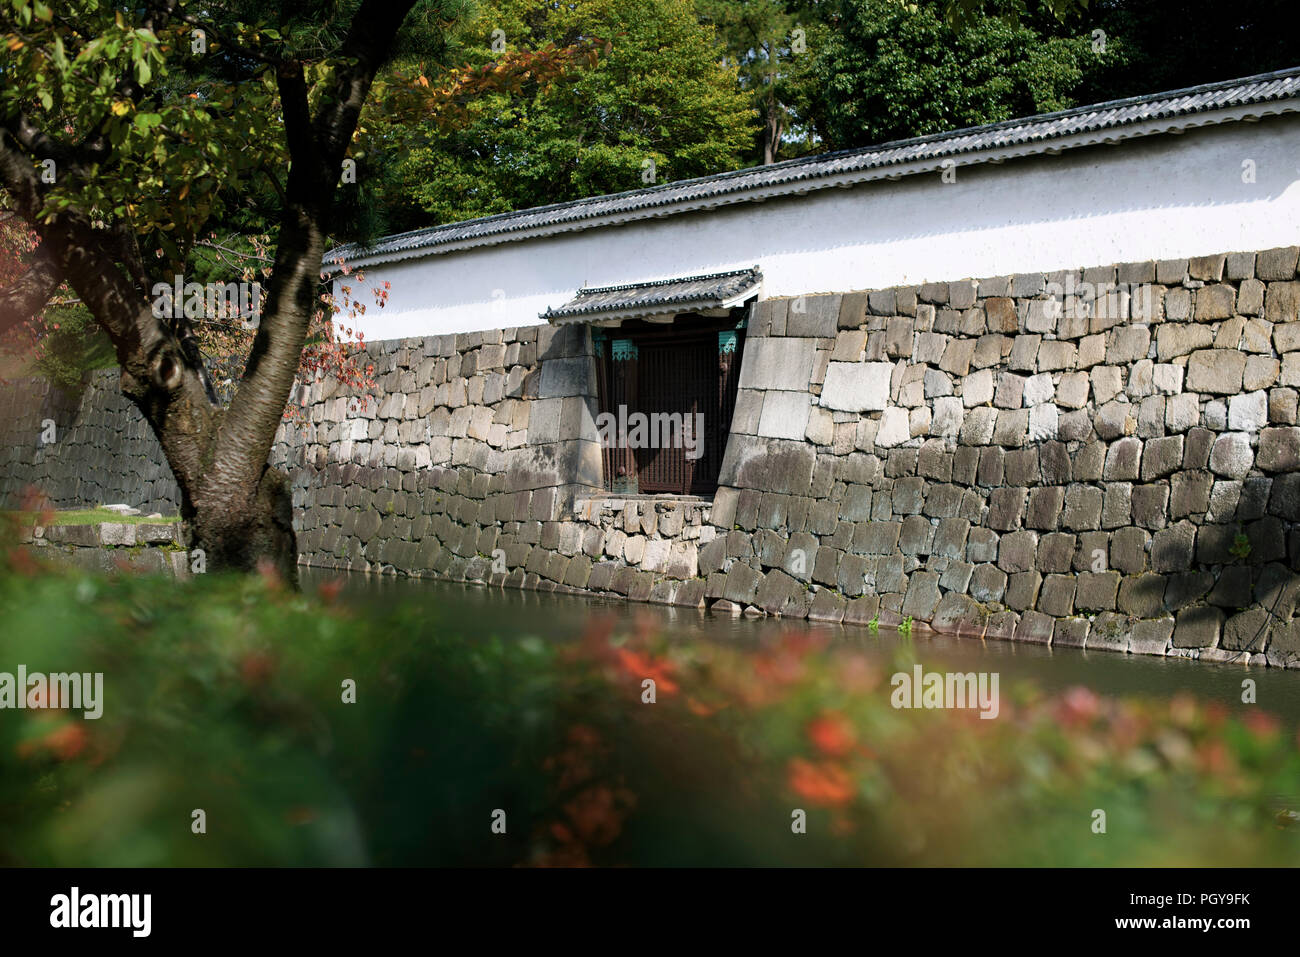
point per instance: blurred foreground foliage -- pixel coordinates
(225, 694)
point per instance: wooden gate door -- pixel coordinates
(678, 378)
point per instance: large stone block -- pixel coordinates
(769, 465)
(1180, 339)
(1275, 264)
(778, 363)
(1279, 449)
(988, 583)
(741, 584)
(1096, 591)
(1142, 595)
(813, 316)
(1197, 627)
(785, 415)
(1231, 455)
(1161, 457)
(566, 377)
(1281, 302)
(1218, 371)
(856, 386)
(1172, 548)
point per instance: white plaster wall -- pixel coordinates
(1161, 197)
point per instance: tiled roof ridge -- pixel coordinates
(708, 288)
(1032, 130)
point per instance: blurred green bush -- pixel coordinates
(226, 695)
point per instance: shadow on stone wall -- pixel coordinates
(80, 451)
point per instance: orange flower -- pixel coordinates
(643, 666)
(64, 742)
(1212, 757)
(832, 734)
(597, 814)
(825, 782)
(702, 709)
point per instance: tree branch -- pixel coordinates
(316, 151)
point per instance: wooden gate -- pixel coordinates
(680, 382)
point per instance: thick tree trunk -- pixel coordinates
(247, 532)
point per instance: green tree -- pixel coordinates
(654, 104)
(1185, 43)
(772, 43)
(893, 70)
(119, 142)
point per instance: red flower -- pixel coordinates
(643, 666)
(823, 782)
(832, 734)
(329, 590)
(64, 742)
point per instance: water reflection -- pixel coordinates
(508, 613)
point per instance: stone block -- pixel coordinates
(1056, 552)
(1142, 595)
(856, 386)
(782, 363)
(1057, 596)
(1172, 548)
(785, 415)
(1248, 412)
(988, 583)
(1279, 449)
(1231, 455)
(1161, 457)
(1276, 264)
(1082, 508)
(1044, 509)
(1197, 627)
(1096, 591)
(1281, 301)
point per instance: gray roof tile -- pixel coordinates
(666, 295)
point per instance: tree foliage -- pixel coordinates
(893, 71)
(772, 43)
(607, 95)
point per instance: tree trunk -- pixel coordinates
(773, 126)
(246, 532)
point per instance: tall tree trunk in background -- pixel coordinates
(773, 128)
(236, 508)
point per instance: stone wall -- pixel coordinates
(112, 547)
(478, 443)
(1004, 457)
(103, 452)
(1000, 457)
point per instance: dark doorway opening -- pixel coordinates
(667, 394)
